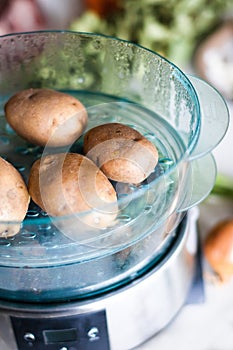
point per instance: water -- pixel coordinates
(140, 206)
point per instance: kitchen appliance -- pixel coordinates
(64, 286)
(119, 319)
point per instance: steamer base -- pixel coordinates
(119, 320)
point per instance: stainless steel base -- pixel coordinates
(125, 318)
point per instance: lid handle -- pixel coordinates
(214, 117)
(203, 176)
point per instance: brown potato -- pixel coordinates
(46, 117)
(121, 152)
(14, 199)
(69, 183)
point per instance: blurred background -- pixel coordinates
(174, 28)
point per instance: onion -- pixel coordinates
(218, 249)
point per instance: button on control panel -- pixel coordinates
(86, 331)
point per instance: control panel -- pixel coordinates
(86, 331)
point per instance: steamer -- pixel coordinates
(63, 287)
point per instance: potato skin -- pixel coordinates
(69, 183)
(14, 199)
(46, 116)
(121, 152)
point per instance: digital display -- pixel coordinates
(82, 331)
(60, 335)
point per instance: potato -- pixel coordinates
(14, 199)
(69, 183)
(46, 117)
(121, 152)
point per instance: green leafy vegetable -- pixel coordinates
(223, 186)
(172, 28)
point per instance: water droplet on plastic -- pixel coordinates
(4, 243)
(124, 218)
(32, 213)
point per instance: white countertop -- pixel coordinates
(207, 325)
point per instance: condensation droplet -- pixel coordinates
(148, 208)
(32, 213)
(166, 161)
(28, 235)
(150, 136)
(22, 150)
(43, 213)
(5, 243)
(124, 218)
(20, 167)
(45, 227)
